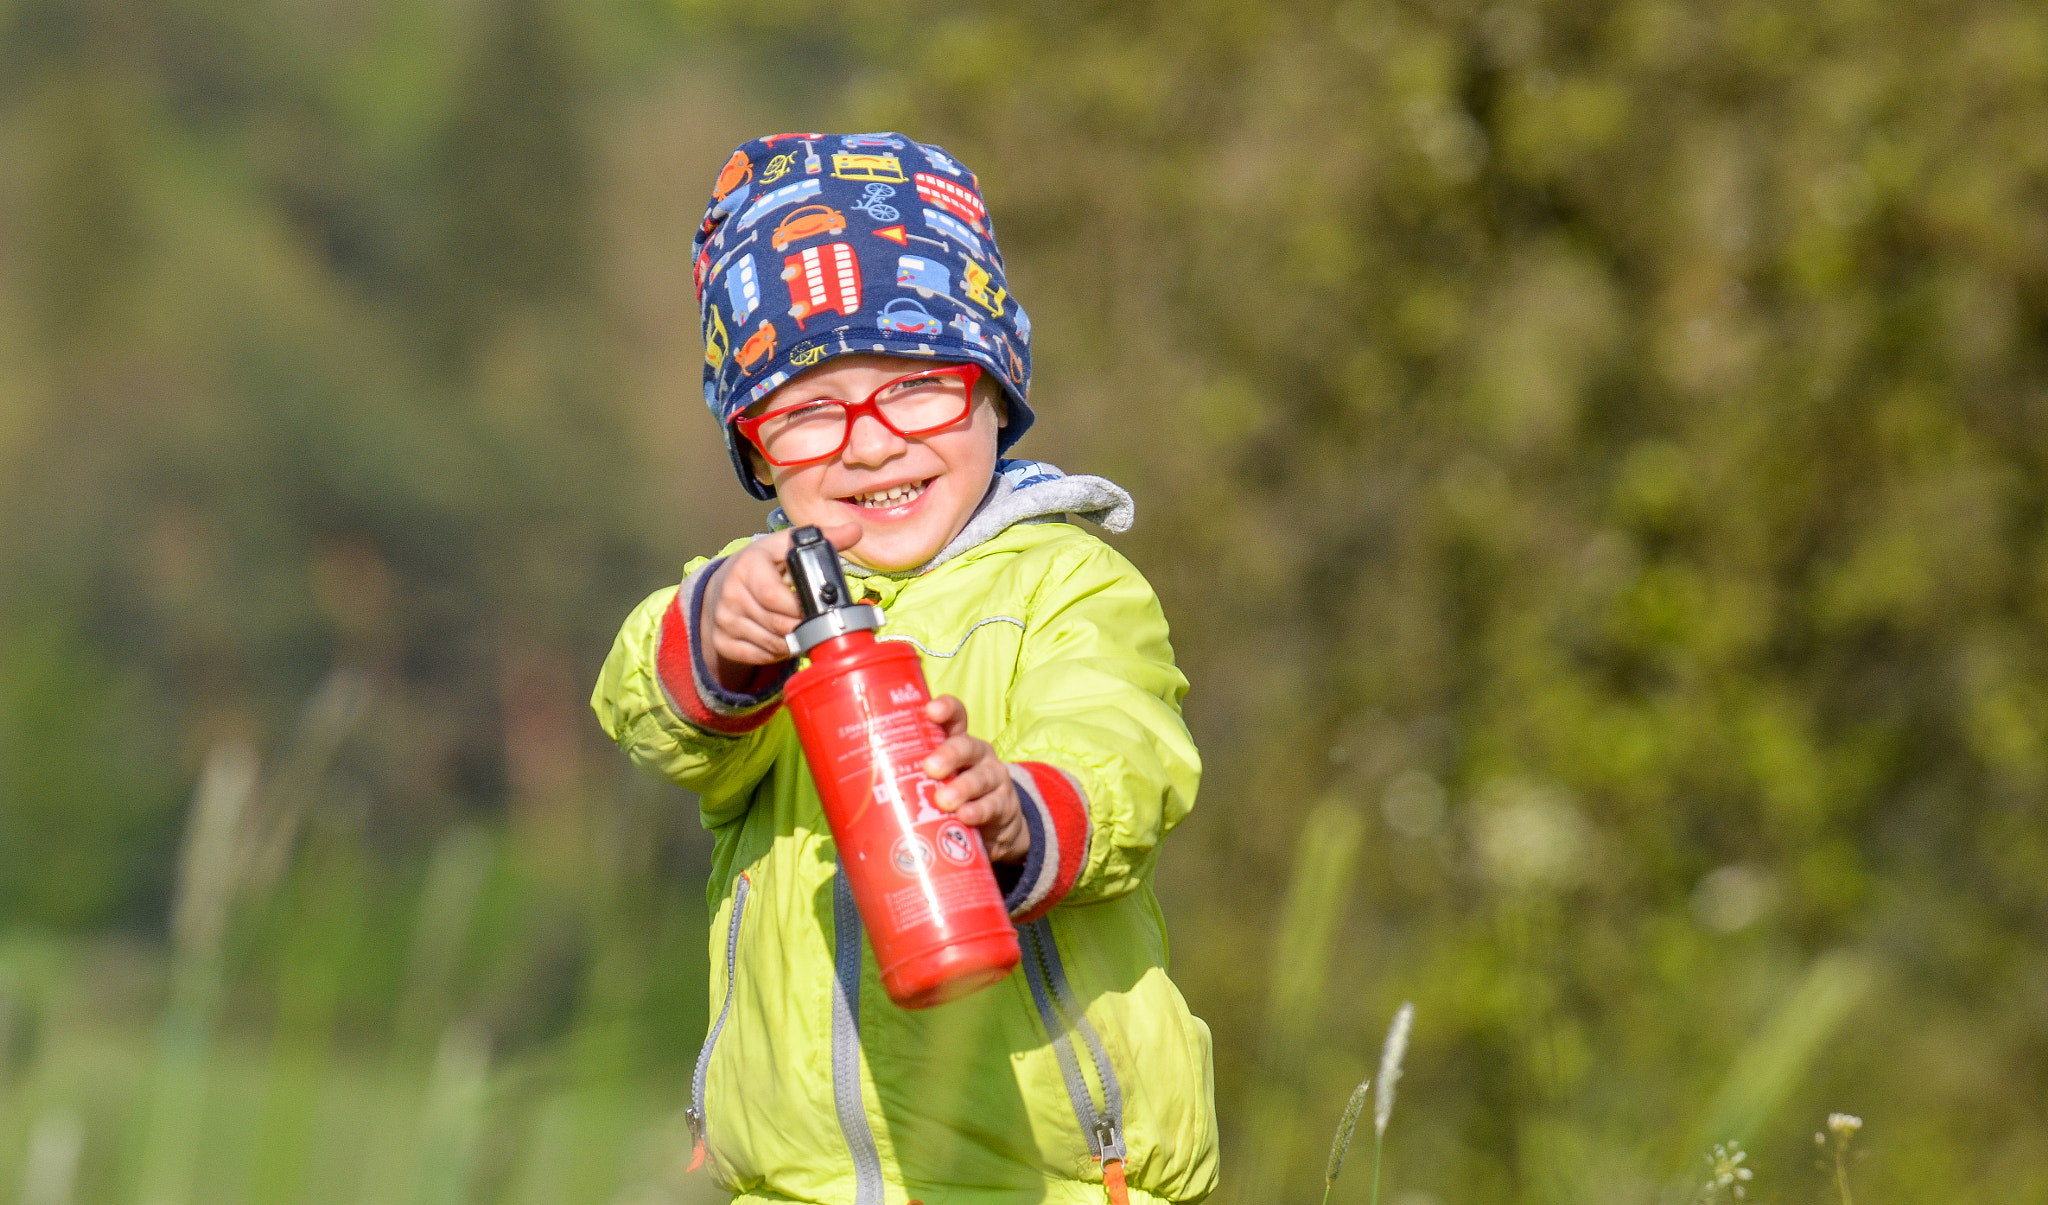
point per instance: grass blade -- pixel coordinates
(1323, 862)
(1346, 1126)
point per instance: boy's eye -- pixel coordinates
(807, 411)
(918, 383)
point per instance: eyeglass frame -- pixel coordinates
(970, 375)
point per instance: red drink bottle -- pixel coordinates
(920, 878)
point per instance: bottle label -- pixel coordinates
(920, 877)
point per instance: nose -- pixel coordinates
(870, 444)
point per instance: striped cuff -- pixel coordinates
(1056, 812)
(686, 680)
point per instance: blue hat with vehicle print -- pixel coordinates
(824, 245)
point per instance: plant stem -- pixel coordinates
(1378, 1141)
(1842, 1171)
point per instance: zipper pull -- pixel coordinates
(696, 1120)
(1113, 1182)
(1110, 1140)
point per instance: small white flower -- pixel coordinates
(1844, 1124)
(1725, 1171)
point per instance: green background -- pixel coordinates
(1591, 454)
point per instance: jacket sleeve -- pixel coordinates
(657, 700)
(1103, 762)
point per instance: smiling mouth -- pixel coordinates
(894, 496)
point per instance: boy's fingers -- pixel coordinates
(953, 755)
(745, 620)
(1001, 824)
(984, 812)
(973, 784)
(749, 643)
(772, 605)
(1010, 842)
(748, 610)
(747, 652)
(763, 581)
(949, 713)
(842, 536)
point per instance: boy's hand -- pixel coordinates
(977, 784)
(749, 607)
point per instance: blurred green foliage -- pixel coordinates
(1600, 445)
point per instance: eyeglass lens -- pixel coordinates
(912, 406)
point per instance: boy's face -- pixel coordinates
(910, 495)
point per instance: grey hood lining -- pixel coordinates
(1045, 500)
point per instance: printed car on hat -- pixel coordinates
(759, 346)
(804, 223)
(906, 317)
(737, 171)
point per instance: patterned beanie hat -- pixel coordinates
(824, 245)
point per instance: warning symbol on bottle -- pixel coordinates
(911, 854)
(927, 793)
(956, 845)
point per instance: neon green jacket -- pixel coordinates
(1086, 1063)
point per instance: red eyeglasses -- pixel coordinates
(916, 403)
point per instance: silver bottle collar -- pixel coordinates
(860, 617)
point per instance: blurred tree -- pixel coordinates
(1601, 443)
(515, 172)
(84, 821)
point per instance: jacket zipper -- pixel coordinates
(695, 1114)
(1062, 1014)
(846, 1097)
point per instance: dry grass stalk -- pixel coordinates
(1391, 1054)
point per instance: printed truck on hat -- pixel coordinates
(937, 158)
(952, 227)
(970, 331)
(769, 202)
(822, 278)
(883, 169)
(743, 289)
(975, 281)
(923, 276)
(956, 199)
(716, 341)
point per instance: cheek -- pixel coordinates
(971, 453)
(800, 491)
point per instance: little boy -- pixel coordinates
(874, 406)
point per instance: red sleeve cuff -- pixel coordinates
(1056, 813)
(685, 680)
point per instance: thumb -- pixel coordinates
(843, 535)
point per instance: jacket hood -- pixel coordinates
(1024, 491)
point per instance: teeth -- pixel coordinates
(895, 496)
